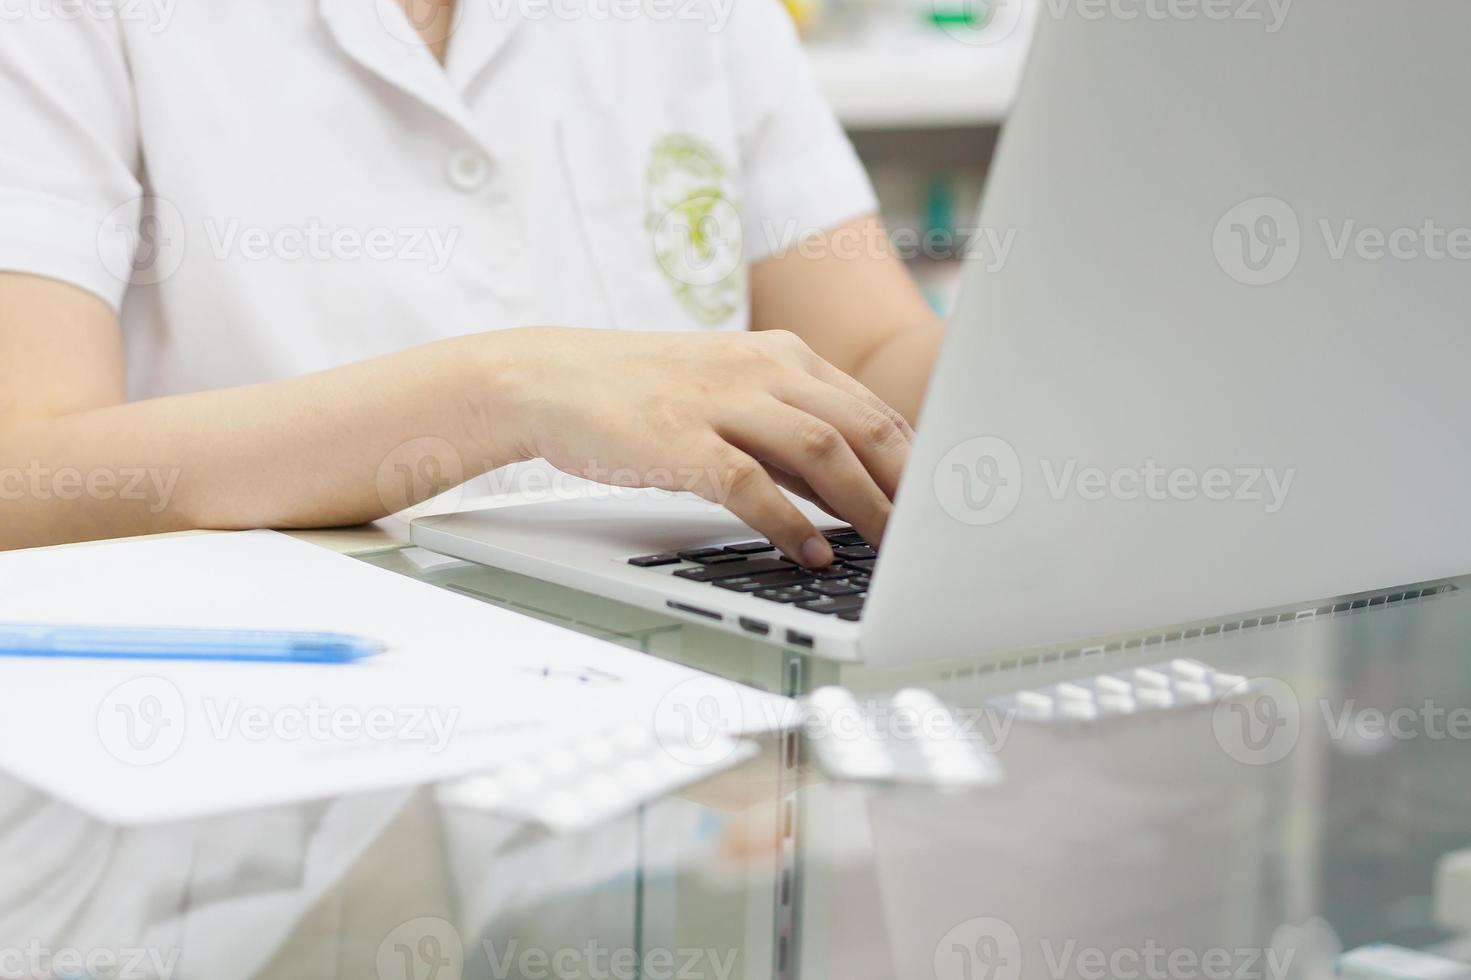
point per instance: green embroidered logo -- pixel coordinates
(695, 221)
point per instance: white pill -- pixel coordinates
(559, 763)
(1145, 677)
(1108, 684)
(1193, 691)
(1074, 692)
(631, 737)
(916, 699)
(597, 749)
(1153, 698)
(1117, 704)
(1034, 699)
(1190, 669)
(940, 725)
(1228, 683)
(829, 698)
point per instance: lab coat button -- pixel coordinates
(468, 170)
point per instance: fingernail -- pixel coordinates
(816, 553)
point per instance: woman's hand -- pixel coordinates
(728, 416)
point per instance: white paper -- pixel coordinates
(465, 686)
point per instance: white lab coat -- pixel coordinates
(269, 189)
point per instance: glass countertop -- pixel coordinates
(1256, 838)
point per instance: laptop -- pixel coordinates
(1223, 369)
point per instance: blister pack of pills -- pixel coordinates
(911, 738)
(1160, 687)
(599, 777)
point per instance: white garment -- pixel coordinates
(274, 188)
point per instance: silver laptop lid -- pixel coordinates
(1224, 366)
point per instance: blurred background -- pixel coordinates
(922, 87)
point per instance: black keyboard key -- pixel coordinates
(654, 561)
(735, 569)
(855, 552)
(770, 580)
(719, 559)
(852, 615)
(751, 548)
(843, 535)
(861, 564)
(793, 576)
(744, 583)
(696, 554)
(834, 571)
(832, 605)
(791, 593)
(833, 587)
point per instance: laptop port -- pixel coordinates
(694, 609)
(755, 626)
(799, 639)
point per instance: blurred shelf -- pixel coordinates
(920, 81)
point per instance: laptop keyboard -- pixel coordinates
(757, 568)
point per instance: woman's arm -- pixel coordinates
(303, 452)
(728, 416)
(850, 297)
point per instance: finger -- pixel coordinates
(798, 486)
(823, 371)
(737, 482)
(796, 352)
(876, 438)
(814, 450)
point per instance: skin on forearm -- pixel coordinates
(356, 443)
(899, 370)
(341, 447)
(847, 293)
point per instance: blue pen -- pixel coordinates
(134, 643)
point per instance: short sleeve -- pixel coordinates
(801, 173)
(69, 194)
